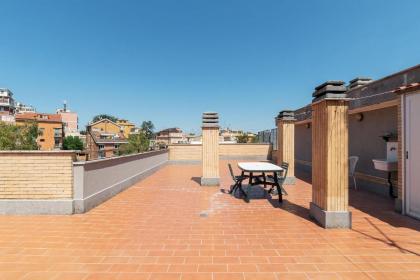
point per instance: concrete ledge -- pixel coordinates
(184, 162)
(398, 205)
(330, 219)
(251, 157)
(36, 207)
(207, 182)
(86, 204)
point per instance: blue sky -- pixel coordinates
(168, 61)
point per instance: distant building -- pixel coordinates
(127, 127)
(103, 139)
(171, 136)
(51, 129)
(22, 108)
(70, 120)
(7, 103)
(231, 136)
(268, 136)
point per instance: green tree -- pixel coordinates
(72, 143)
(104, 116)
(148, 127)
(137, 143)
(242, 138)
(13, 137)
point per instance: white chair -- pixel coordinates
(352, 168)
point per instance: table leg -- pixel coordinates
(264, 180)
(250, 178)
(276, 181)
(240, 185)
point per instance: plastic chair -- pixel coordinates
(352, 169)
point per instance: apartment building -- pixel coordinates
(171, 136)
(7, 105)
(103, 139)
(126, 126)
(23, 108)
(50, 126)
(70, 120)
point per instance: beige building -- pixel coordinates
(171, 136)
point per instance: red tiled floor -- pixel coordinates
(168, 227)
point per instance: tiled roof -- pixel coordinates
(409, 88)
(39, 117)
(119, 138)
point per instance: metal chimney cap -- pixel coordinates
(330, 88)
(286, 115)
(210, 119)
(361, 78)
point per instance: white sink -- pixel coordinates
(384, 165)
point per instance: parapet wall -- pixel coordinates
(192, 152)
(38, 182)
(36, 175)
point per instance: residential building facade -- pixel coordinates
(50, 126)
(103, 139)
(23, 108)
(171, 136)
(70, 120)
(126, 126)
(7, 102)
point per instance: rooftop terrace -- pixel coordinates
(169, 227)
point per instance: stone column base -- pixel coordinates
(398, 205)
(207, 182)
(330, 219)
(290, 181)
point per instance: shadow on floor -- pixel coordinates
(196, 180)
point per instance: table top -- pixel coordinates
(259, 167)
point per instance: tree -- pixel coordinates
(242, 138)
(14, 137)
(137, 143)
(104, 116)
(72, 143)
(147, 127)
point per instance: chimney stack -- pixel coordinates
(359, 81)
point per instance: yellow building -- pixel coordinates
(50, 128)
(126, 127)
(103, 139)
(106, 126)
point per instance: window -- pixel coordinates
(57, 143)
(57, 132)
(41, 132)
(116, 146)
(101, 147)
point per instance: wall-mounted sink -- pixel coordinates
(385, 165)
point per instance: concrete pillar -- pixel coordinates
(210, 150)
(286, 143)
(329, 206)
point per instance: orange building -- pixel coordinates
(50, 128)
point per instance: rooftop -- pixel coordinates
(40, 117)
(169, 227)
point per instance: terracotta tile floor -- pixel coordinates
(168, 227)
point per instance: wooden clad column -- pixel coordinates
(286, 143)
(329, 206)
(210, 150)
